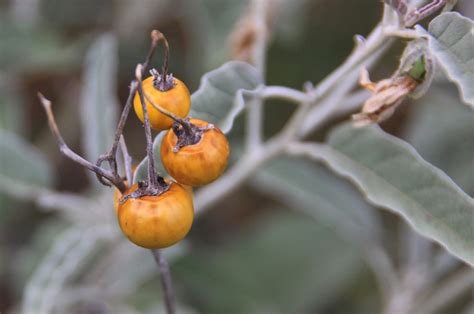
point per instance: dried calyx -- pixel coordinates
(162, 82)
(188, 133)
(144, 189)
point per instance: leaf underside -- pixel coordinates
(393, 175)
(452, 42)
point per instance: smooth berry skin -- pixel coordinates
(196, 164)
(176, 100)
(160, 221)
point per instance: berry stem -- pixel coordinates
(158, 36)
(166, 282)
(152, 178)
(183, 122)
(191, 132)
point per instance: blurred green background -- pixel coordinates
(255, 252)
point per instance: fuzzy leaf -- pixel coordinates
(314, 190)
(441, 130)
(23, 163)
(283, 263)
(219, 98)
(392, 175)
(452, 42)
(99, 104)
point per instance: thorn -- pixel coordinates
(359, 40)
(308, 86)
(44, 101)
(138, 71)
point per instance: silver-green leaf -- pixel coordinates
(219, 98)
(99, 103)
(442, 130)
(452, 42)
(310, 188)
(23, 163)
(394, 176)
(310, 264)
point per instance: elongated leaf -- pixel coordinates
(285, 263)
(12, 111)
(98, 110)
(441, 130)
(312, 189)
(219, 98)
(21, 162)
(452, 42)
(394, 176)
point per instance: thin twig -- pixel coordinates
(111, 155)
(377, 43)
(284, 93)
(417, 15)
(166, 283)
(447, 291)
(152, 178)
(108, 175)
(162, 110)
(254, 122)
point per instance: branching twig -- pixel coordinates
(284, 93)
(250, 162)
(152, 178)
(103, 173)
(447, 291)
(254, 123)
(111, 155)
(153, 182)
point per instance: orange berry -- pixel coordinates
(199, 163)
(176, 100)
(157, 221)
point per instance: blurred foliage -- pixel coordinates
(269, 268)
(247, 255)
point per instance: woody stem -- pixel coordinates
(152, 178)
(103, 173)
(166, 282)
(111, 156)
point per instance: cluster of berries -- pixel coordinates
(193, 152)
(158, 213)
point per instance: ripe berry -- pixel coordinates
(156, 221)
(199, 163)
(175, 100)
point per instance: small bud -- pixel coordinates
(387, 95)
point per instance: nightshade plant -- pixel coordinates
(388, 171)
